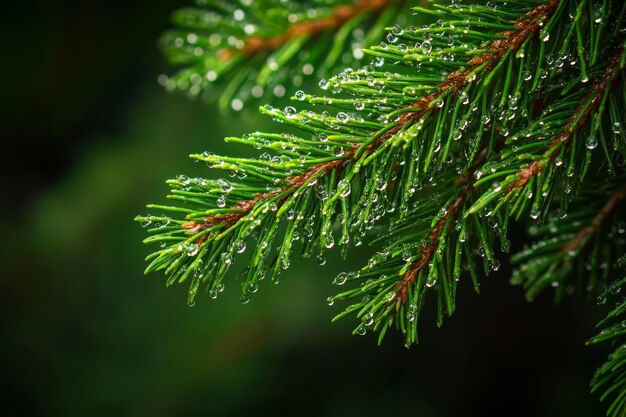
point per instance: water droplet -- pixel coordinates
(463, 97)
(300, 95)
(617, 128)
(368, 319)
(225, 185)
(344, 188)
(321, 260)
(381, 184)
(240, 246)
(391, 38)
(495, 265)
(505, 245)
(244, 299)
(290, 111)
(591, 142)
(361, 330)
(192, 249)
(411, 314)
(227, 258)
(340, 279)
(597, 11)
(342, 117)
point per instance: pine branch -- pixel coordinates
(470, 98)
(518, 185)
(410, 115)
(387, 299)
(581, 238)
(249, 47)
(610, 378)
(489, 114)
(587, 238)
(338, 17)
(451, 212)
(576, 122)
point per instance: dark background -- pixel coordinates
(88, 139)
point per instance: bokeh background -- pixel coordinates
(88, 138)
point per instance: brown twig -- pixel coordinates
(575, 123)
(427, 250)
(453, 82)
(596, 223)
(246, 206)
(340, 15)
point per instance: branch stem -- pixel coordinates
(575, 123)
(596, 223)
(456, 80)
(308, 28)
(465, 181)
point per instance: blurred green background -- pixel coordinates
(88, 140)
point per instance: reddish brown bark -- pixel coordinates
(575, 123)
(255, 44)
(596, 223)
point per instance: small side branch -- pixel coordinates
(340, 15)
(596, 223)
(575, 123)
(465, 181)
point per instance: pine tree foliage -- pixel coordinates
(491, 114)
(610, 378)
(255, 48)
(573, 245)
